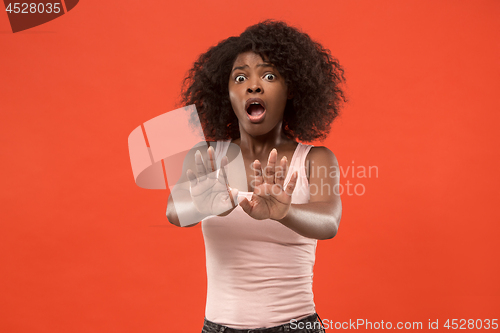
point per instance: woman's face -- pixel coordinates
(258, 94)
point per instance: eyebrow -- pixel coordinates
(266, 64)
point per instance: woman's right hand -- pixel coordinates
(210, 193)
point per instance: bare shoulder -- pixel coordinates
(321, 156)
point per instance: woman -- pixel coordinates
(262, 92)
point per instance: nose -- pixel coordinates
(255, 87)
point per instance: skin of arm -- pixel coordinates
(320, 218)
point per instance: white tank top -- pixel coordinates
(259, 272)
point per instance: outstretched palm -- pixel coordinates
(270, 200)
(210, 193)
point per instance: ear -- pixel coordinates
(289, 95)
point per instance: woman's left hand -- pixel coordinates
(270, 199)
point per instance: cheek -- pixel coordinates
(235, 103)
(233, 94)
(232, 99)
(281, 97)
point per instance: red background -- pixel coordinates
(83, 249)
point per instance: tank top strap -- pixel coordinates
(298, 161)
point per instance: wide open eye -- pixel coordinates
(270, 77)
(240, 78)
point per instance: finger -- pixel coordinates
(224, 162)
(257, 173)
(192, 177)
(201, 172)
(223, 171)
(259, 191)
(211, 163)
(291, 184)
(280, 172)
(246, 206)
(270, 169)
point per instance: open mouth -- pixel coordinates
(256, 109)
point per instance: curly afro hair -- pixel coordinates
(313, 76)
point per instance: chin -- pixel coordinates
(258, 129)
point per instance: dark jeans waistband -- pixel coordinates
(213, 327)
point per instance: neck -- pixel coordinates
(256, 146)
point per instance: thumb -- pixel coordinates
(246, 206)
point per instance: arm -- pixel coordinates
(320, 217)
